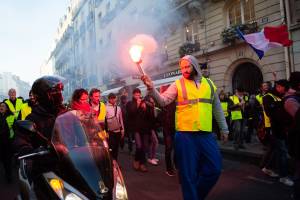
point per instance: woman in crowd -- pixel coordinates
(151, 125)
(80, 101)
(6, 136)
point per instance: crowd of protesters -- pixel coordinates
(271, 116)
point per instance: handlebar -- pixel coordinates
(40, 153)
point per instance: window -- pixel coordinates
(107, 7)
(192, 32)
(97, 3)
(240, 11)
(109, 36)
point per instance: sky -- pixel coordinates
(27, 31)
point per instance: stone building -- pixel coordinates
(204, 28)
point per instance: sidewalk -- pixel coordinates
(252, 153)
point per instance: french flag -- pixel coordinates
(269, 37)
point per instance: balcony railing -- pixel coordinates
(230, 36)
(188, 48)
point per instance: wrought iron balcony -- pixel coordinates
(230, 36)
(188, 48)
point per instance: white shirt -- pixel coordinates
(110, 112)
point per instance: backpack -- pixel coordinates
(113, 123)
(293, 137)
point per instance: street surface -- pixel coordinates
(239, 181)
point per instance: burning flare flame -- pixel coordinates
(136, 53)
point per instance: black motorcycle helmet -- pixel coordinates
(48, 91)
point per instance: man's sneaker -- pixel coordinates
(152, 161)
(170, 173)
(269, 172)
(286, 181)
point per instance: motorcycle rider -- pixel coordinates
(48, 93)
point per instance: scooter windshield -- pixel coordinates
(77, 140)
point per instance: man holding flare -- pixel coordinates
(198, 158)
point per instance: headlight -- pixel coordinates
(72, 196)
(62, 189)
(120, 192)
(58, 187)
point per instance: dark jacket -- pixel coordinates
(167, 117)
(44, 121)
(4, 129)
(252, 110)
(275, 111)
(293, 127)
(137, 117)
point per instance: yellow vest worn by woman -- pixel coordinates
(236, 114)
(194, 105)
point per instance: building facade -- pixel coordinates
(89, 50)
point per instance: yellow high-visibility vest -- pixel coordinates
(194, 105)
(25, 111)
(10, 121)
(224, 106)
(13, 109)
(259, 98)
(266, 118)
(236, 114)
(267, 122)
(102, 112)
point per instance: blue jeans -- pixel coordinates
(281, 153)
(141, 147)
(238, 127)
(297, 181)
(199, 163)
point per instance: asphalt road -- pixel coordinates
(239, 181)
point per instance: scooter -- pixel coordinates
(81, 166)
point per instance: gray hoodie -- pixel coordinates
(170, 95)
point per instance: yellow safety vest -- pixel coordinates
(236, 114)
(266, 118)
(194, 105)
(10, 121)
(15, 110)
(224, 106)
(102, 112)
(25, 111)
(259, 98)
(267, 122)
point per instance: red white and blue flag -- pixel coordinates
(269, 37)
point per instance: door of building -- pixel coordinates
(247, 76)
